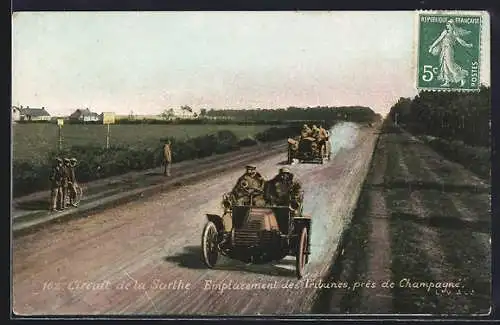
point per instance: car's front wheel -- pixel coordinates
(301, 254)
(209, 245)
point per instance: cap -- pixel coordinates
(58, 159)
(66, 159)
(73, 159)
(251, 167)
(284, 170)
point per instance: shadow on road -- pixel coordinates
(191, 258)
(154, 174)
(33, 205)
(446, 222)
(284, 162)
(419, 185)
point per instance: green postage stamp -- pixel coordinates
(449, 52)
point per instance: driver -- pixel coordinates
(249, 183)
(283, 190)
(306, 131)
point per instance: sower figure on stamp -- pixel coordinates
(56, 185)
(449, 70)
(167, 158)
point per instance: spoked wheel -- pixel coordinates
(301, 256)
(209, 245)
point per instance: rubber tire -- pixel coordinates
(300, 257)
(209, 259)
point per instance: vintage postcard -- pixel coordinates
(181, 164)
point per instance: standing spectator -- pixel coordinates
(167, 157)
(72, 182)
(55, 185)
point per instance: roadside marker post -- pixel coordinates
(107, 119)
(60, 123)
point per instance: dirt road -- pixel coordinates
(144, 257)
(424, 225)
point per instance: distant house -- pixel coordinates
(16, 113)
(184, 114)
(211, 117)
(84, 115)
(139, 117)
(30, 114)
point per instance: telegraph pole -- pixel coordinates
(107, 138)
(108, 118)
(60, 123)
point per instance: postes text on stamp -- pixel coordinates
(448, 52)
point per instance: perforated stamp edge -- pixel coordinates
(416, 46)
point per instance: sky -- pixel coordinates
(146, 62)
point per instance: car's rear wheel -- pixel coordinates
(301, 256)
(209, 244)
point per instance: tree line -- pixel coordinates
(349, 113)
(463, 116)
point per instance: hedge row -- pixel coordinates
(98, 162)
(476, 159)
(187, 121)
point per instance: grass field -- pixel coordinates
(423, 218)
(32, 142)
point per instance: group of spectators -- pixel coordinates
(63, 184)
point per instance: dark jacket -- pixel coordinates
(279, 192)
(66, 175)
(72, 177)
(256, 182)
(56, 176)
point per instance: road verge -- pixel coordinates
(28, 224)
